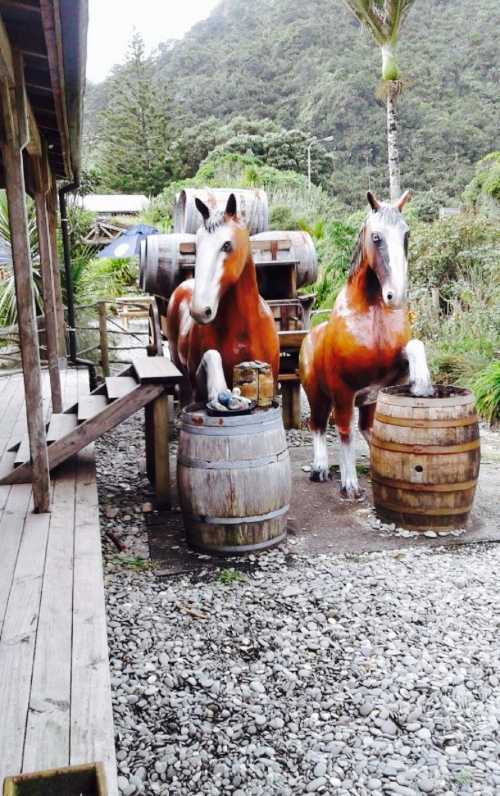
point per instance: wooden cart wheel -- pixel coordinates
(155, 346)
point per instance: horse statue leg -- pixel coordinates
(210, 379)
(420, 378)
(344, 420)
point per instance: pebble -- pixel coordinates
(369, 674)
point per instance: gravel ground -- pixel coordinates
(376, 674)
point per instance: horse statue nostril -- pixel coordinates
(389, 297)
(208, 312)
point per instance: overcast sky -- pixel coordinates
(112, 22)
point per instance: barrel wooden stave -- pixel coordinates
(425, 459)
(230, 470)
(288, 245)
(251, 203)
(162, 258)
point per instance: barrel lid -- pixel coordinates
(196, 415)
(444, 395)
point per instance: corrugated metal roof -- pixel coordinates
(114, 203)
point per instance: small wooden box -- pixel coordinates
(256, 382)
(85, 780)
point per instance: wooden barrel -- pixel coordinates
(287, 246)
(251, 203)
(164, 262)
(425, 455)
(234, 480)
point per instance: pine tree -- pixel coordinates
(134, 128)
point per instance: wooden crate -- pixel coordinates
(85, 780)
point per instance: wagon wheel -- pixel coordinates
(155, 346)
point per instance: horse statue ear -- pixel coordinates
(231, 207)
(374, 203)
(403, 200)
(202, 209)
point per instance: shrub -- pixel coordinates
(486, 388)
(106, 278)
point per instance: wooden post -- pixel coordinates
(290, 403)
(41, 179)
(52, 203)
(103, 337)
(161, 451)
(12, 157)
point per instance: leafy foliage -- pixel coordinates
(486, 388)
(311, 67)
(8, 307)
(483, 191)
(106, 278)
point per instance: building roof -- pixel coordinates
(114, 204)
(51, 35)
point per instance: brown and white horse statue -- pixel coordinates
(217, 320)
(366, 342)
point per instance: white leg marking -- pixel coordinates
(420, 378)
(210, 375)
(320, 470)
(348, 474)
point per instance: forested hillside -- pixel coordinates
(308, 66)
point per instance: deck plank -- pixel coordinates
(118, 386)
(17, 642)
(92, 734)
(48, 726)
(11, 530)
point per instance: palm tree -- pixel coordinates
(384, 18)
(8, 307)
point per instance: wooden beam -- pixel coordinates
(18, 5)
(23, 276)
(52, 205)
(12, 69)
(42, 184)
(53, 37)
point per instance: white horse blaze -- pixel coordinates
(209, 269)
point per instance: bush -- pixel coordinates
(107, 278)
(486, 388)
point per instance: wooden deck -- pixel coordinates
(55, 694)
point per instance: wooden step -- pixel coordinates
(60, 425)
(156, 370)
(118, 386)
(90, 406)
(23, 452)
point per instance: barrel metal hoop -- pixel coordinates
(421, 423)
(248, 464)
(396, 508)
(239, 520)
(423, 449)
(232, 431)
(409, 486)
(241, 548)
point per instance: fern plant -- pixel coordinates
(8, 306)
(486, 389)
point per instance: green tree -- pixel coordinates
(383, 19)
(135, 127)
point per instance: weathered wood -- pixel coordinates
(92, 735)
(11, 529)
(112, 415)
(161, 451)
(60, 425)
(52, 204)
(424, 459)
(90, 406)
(118, 386)
(290, 401)
(48, 727)
(103, 337)
(156, 369)
(23, 275)
(234, 480)
(46, 268)
(17, 642)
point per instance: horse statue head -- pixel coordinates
(222, 249)
(383, 247)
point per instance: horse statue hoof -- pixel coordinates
(320, 474)
(352, 493)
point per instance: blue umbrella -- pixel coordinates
(128, 244)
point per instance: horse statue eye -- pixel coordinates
(227, 246)
(376, 237)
